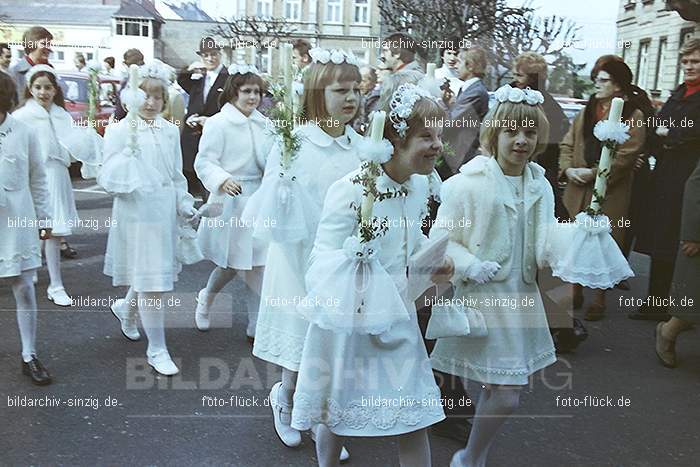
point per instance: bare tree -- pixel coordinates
(256, 31)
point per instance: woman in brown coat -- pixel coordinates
(580, 152)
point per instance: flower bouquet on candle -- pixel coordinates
(350, 291)
(125, 172)
(591, 257)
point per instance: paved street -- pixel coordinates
(127, 416)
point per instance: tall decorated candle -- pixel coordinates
(287, 72)
(606, 157)
(430, 70)
(376, 134)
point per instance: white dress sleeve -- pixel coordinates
(207, 164)
(185, 201)
(37, 179)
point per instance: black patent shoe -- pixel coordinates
(35, 370)
(67, 251)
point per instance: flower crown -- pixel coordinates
(401, 105)
(36, 69)
(157, 70)
(337, 56)
(508, 93)
(242, 69)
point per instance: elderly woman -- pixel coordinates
(677, 151)
(580, 153)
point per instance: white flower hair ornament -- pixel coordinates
(242, 69)
(528, 96)
(401, 105)
(158, 70)
(132, 97)
(36, 69)
(337, 56)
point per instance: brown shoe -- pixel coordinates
(665, 348)
(594, 312)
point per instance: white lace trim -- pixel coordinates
(356, 415)
(444, 363)
(282, 347)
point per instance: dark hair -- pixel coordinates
(302, 46)
(402, 43)
(133, 57)
(4, 45)
(57, 99)
(8, 93)
(236, 82)
(33, 35)
(603, 60)
(109, 61)
(451, 43)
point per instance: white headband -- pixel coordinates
(337, 56)
(36, 69)
(242, 69)
(158, 70)
(508, 93)
(402, 102)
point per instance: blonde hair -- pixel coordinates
(316, 77)
(476, 56)
(425, 112)
(510, 115)
(690, 46)
(531, 63)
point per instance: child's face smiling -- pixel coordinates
(342, 100)
(43, 91)
(515, 146)
(420, 152)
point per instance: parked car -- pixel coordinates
(75, 91)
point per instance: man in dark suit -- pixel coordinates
(204, 83)
(466, 111)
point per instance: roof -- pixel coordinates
(142, 9)
(57, 13)
(189, 11)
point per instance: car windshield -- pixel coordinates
(74, 89)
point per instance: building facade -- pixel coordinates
(649, 37)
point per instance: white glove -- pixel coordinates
(482, 271)
(192, 216)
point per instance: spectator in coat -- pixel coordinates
(37, 49)
(677, 150)
(399, 52)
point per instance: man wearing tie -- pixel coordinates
(204, 82)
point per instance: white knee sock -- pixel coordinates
(151, 309)
(492, 409)
(253, 279)
(52, 250)
(218, 279)
(25, 298)
(289, 383)
(328, 446)
(131, 300)
(414, 449)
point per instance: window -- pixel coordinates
(265, 61)
(334, 10)
(132, 27)
(629, 5)
(361, 11)
(660, 60)
(292, 10)
(89, 56)
(264, 8)
(57, 56)
(643, 64)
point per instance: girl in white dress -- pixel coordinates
(327, 153)
(59, 139)
(230, 163)
(24, 200)
(143, 169)
(499, 214)
(376, 382)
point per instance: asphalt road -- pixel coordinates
(111, 410)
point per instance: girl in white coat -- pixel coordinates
(59, 139)
(499, 214)
(327, 153)
(349, 380)
(24, 201)
(150, 194)
(230, 163)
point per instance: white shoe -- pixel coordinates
(163, 364)
(282, 416)
(344, 454)
(127, 322)
(59, 296)
(456, 460)
(201, 315)
(35, 278)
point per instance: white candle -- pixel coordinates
(287, 71)
(430, 70)
(605, 162)
(376, 133)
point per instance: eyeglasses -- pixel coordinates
(602, 80)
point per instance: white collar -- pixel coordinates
(468, 83)
(235, 116)
(317, 136)
(34, 109)
(8, 123)
(215, 72)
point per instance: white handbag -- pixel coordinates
(454, 320)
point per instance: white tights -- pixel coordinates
(25, 298)
(495, 403)
(253, 278)
(52, 250)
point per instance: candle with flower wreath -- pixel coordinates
(376, 135)
(611, 132)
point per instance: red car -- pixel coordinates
(75, 91)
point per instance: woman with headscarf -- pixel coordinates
(580, 153)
